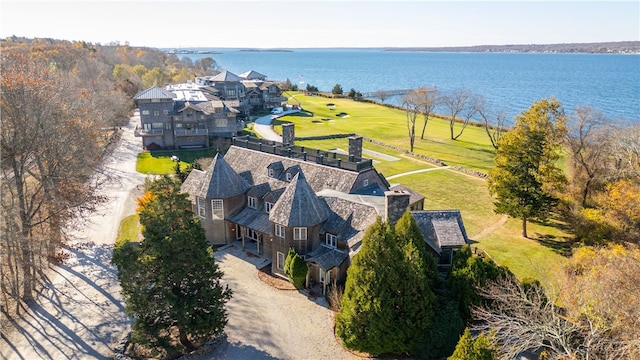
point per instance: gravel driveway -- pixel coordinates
(267, 323)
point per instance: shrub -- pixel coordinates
(295, 268)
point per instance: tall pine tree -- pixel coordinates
(171, 281)
(526, 172)
(387, 304)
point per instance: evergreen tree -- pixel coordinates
(337, 90)
(171, 281)
(387, 303)
(470, 348)
(408, 231)
(295, 268)
(469, 272)
(526, 170)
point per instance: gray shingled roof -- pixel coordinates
(328, 258)
(298, 205)
(441, 228)
(318, 176)
(349, 220)
(154, 93)
(251, 75)
(254, 219)
(414, 195)
(226, 76)
(219, 181)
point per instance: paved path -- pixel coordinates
(79, 313)
(417, 172)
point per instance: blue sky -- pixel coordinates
(329, 23)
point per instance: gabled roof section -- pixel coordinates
(154, 93)
(298, 205)
(226, 76)
(194, 107)
(219, 181)
(253, 75)
(441, 228)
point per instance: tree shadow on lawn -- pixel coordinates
(559, 244)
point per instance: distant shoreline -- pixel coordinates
(620, 47)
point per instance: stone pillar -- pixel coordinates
(396, 203)
(287, 134)
(355, 146)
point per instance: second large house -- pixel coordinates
(273, 196)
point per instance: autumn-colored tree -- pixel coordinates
(526, 173)
(171, 283)
(49, 148)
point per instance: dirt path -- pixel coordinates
(79, 312)
(491, 228)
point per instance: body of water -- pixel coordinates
(510, 82)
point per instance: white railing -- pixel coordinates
(191, 132)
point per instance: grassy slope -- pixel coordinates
(443, 189)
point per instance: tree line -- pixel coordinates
(62, 103)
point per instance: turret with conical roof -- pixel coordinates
(298, 205)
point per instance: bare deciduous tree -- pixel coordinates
(456, 102)
(382, 95)
(428, 99)
(411, 105)
(494, 121)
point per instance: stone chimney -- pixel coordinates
(287, 134)
(396, 204)
(355, 146)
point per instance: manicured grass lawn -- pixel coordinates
(159, 162)
(472, 150)
(128, 230)
(540, 259)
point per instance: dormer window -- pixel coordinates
(268, 206)
(366, 182)
(331, 240)
(288, 176)
(252, 202)
(271, 173)
(299, 233)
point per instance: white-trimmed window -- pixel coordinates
(270, 173)
(299, 233)
(268, 206)
(366, 182)
(222, 122)
(217, 211)
(252, 202)
(201, 207)
(156, 112)
(288, 176)
(279, 230)
(145, 112)
(331, 240)
(166, 112)
(252, 234)
(167, 126)
(280, 261)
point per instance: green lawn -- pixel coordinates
(472, 150)
(541, 259)
(159, 162)
(128, 230)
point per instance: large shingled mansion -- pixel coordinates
(271, 196)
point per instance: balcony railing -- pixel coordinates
(147, 132)
(191, 132)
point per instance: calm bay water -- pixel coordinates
(509, 81)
